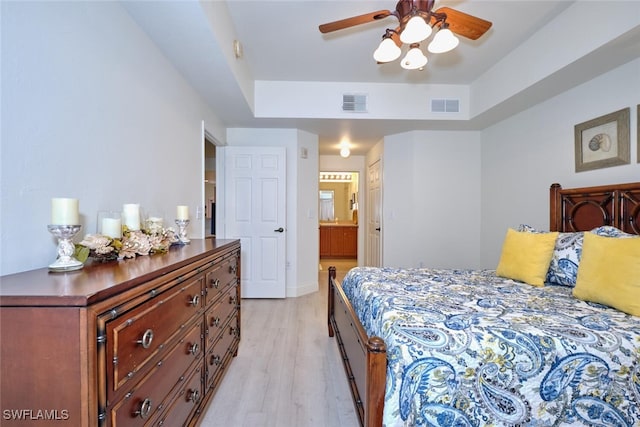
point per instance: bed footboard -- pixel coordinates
(364, 358)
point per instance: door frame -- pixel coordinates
(350, 164)
(207, 137)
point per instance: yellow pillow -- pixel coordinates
(526, 256)
(609, 272)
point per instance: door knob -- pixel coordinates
(279, 230)
(377, 228)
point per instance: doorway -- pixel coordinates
(209, 186)
(338, 204)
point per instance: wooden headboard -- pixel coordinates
(582, 209)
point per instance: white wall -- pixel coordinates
(384, 100)
(308, 239)
(92, 110)
(449, 197)
(523, 155)
(431, 201)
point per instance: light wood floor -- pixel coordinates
(288, 372)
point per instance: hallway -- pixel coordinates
(288, 371)
(342, 267)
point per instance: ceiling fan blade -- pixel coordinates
(464, 24)
(353, 21)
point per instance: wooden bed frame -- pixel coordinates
(365, 358)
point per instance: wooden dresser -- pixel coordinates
(139, 342)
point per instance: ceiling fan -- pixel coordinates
(417, 20)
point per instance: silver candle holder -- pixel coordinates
(182, 231)
(65, 261)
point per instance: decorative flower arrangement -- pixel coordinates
(133, 243)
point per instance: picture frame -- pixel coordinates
(603, 142)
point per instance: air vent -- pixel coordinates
(354, 103)
(445, 105)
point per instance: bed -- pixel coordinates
(464, 347)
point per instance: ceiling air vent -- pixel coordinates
(445, 105)
(354, 103)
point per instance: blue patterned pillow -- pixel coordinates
(529, 229)
(610, 231)
(563, 269)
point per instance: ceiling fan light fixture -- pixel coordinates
(387, 51)
(443, 41)
(417, 21)
(416, 30)
(414, 59)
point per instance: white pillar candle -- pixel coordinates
(182, 212)
(112, 227)
(131, 216)
(64, 211)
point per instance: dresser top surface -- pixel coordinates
(98, 281)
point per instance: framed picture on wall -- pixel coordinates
(603, 141)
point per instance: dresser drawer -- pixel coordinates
(149, 397)
(218, 277)
(220, 354)
(186, 401)
(218, 315)
(137, 336)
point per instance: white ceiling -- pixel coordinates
(281, 42)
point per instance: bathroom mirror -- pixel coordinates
(338, 201)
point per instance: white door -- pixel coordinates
(374, 204)
(255, 183)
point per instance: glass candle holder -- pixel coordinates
(66, 249)
(182, 231)
(154, 222)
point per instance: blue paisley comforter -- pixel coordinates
(468, 348)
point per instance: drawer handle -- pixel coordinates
(215, 360)
(145, 409)
(215, 321)
(194, 396)
(233, 299)
(194, 348)
(233, 269)
(215, 283)
(234, 331)
(147, 338)
(195, 301)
